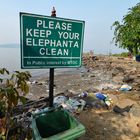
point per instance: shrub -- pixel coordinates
(13, 89)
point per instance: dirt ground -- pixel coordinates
(104, 124)
(106, 75)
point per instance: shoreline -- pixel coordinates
(105, 73)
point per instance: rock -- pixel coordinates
(118, 79)
(120, 69)
(91, 75)
(136, 86)
(128, 79)
(117, 71)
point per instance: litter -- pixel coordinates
(83, 94)
(74, 105)
(70, 104)
(108, 101)
(125, 87)
(137, 58)
(119, 110)
(60, 99)
(102, 97)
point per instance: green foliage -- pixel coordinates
(124, 54)
(12, 90)
(127, 33)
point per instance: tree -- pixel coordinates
(127, 33)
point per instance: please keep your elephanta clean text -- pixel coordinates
(57, 37)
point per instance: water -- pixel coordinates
(10, 59)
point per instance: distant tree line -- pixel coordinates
(127, 33)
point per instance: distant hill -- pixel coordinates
(9, 45)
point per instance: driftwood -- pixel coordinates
(31, 105)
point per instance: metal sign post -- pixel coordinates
(51, 74)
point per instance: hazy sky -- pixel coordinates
(98, 15)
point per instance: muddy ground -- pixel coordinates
(104, 74)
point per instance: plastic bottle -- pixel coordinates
(100, 96)
(83, 94)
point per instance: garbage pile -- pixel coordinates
(83, 100)
(70, 104)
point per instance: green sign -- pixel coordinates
(50, 42)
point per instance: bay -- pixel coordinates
(11, 60)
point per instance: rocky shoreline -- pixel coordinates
(104, 74)
(115, 77)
